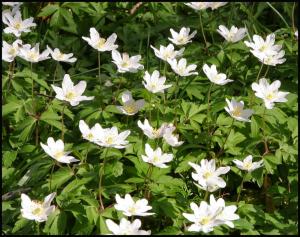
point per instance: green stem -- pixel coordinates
(208, 108)
(10, 76)
(187, 84)
(99, 67)
(177, 82)
(150, 102)
(264, 133)
(32, 89)
(266, 71)
(277, 12)
(223, 147)
(101, 172)
(201, 24)
(75, 75)
(87, 151)
(147, 189)
(62, 122)
(241, 187)
(206, 195)
(165, 69)
(50, 182)
(252, 93)
(54, 76)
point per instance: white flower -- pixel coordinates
(264, 50)
(198, 5)
(14, 22)
(204, 217)
(71, 93)
(204, 5)
(9, 52)
(131, 208)
(59, 56)
(207, 175)
(227, 214)
(101, 44)
(273, 60)
(168, 52)
(109, 137)
(296, 34)
(207, 216)
(149, 131)
(55, 149)
(236, 110)
(181, 68)
(126, 227)
(126, 63)
(37, 210)
(156, 157)
(169, 137)
(247, 164)
(215, 5)
(154, 83)
(233, 35)
(269, 92)
(108, 83)
(214, 76)
(182, 37)
(172, 139)
(90, 134)
(130, 106)
(33, 54)
(12, 4)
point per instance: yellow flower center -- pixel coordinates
(18, 25)
(237, 112)
(130, 108)
(90, 136)
(247, 165)
(70, 95)
(153, 85)
(270, 96)
(101, 42)
(262, 48)
(155, 159)
(60, 55)
(181, 39)
(109, 140)
(12, 51)
(58, 155)
(125, 64)
(37, 211)
(155, 132)
(181, 70)
(205, 220)
(33, 56)
(207, 174)
(132, 210)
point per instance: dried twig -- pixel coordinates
(12, 194)
(135, 7)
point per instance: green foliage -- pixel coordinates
(269, 198)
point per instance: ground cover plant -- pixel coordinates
(149, 118)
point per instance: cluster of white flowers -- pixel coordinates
(165, 131)
(207, 175)
(129, 207)
(207, 216)
(266, 51)
(204, 5)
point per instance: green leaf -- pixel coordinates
(9, 157)
(48, 10)
(60, 177)
(10, 107)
